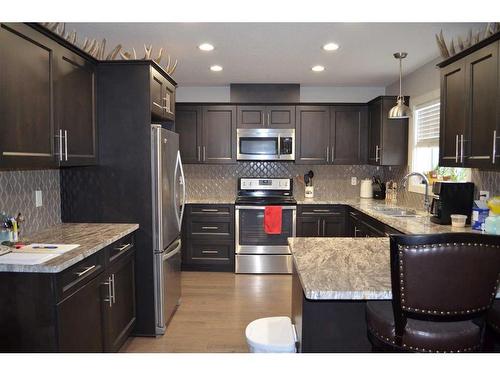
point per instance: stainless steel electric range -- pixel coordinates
(257, 251)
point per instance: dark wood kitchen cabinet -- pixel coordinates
(312, 134)
(262, 116)
(26, 91)
(75, 109)
(208, 238)
(88, 307)
(331, 134)
(387, 138)
(361, 225)
(162, 93)
(207, 134)
(321, 221)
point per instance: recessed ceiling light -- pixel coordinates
(216, 68)
(331, 47)
(318, 68)
(206, 47)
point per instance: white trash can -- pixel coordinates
(271, 335)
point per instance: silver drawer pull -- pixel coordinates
(318, 210)
(110, 292)
(121, 248)
(209, 228)
(86, 270)
(209, 210)
(210, 251)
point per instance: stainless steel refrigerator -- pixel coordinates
(169, 196)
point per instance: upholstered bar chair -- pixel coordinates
(442, 288)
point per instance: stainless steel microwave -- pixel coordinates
(266, 144)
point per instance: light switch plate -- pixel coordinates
(354, 181)
(38, 198)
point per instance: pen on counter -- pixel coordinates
(45, 247)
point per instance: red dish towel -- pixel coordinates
(272, 219)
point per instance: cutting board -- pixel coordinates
(61, 248)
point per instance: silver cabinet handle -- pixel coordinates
(320, 210)
(121, 248)
(324, 227)
(356, 231)
(204, 153)
(110, 292)
(60, 137)
(494, 153)
(268, 119)
(376, 153)
(199, 153)
(210, 251)
(331, 160)
(319, 228)
(461, 148)
(456, 149)
(66, 145)
(209, 210)
(159, 106)
(85, 271)
(327, 154)
(209, 228)
(113, 296)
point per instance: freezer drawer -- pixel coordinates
(263, 263)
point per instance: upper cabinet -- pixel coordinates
(26, 91)
(162, 97)
(331, 134)
(262, 116)
(387, 138)
(207, 134)
(47, 101)
(470, 105)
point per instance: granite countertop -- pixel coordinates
(343, 268)
(90, 237)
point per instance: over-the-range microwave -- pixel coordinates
(266, 144)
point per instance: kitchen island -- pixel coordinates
(332, 280)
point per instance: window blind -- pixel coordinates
(427, 125)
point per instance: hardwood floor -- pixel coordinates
(215, 310)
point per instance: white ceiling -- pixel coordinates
(282, 52)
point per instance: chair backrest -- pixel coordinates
(452, 275)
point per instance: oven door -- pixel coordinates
(250, 237)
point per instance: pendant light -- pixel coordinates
(400, 110)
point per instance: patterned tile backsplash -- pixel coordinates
(17, 194)
(220, 181)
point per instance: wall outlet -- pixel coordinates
(38, 198)
(354, 181)
(484, 195)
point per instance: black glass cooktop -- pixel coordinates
(266, 201)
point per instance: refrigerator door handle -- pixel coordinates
(183, 180)
(178, 167)
(170, 254)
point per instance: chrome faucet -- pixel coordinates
(425, 181)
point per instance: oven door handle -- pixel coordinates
(294, 208)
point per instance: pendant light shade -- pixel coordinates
(400, 110)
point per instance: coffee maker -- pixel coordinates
(453, 198)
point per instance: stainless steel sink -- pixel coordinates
(396, 212)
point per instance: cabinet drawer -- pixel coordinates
(119, 248)
(71, 279)
(210, 251)
(323, 210)
(212, 209)
(210, 228)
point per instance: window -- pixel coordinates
(425, 148)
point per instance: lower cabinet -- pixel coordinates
(362, 225)
(321, 221)
(208, 238)
(88, 307)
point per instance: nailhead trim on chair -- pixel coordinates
(436, 312)
(421, 350)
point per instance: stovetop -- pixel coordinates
(265, 201)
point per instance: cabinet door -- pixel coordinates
(333, 226)
(79, 320)
(26, 112)
(219, 134)
(157, 95)
(280, 117)
(75, 109)
(309, 227)
(313, 135)
(453, 117)
(374, 132)
(188, 125)
(349, 134)
(251, 116)
(119, 313)
(394, 136)
(481, 81)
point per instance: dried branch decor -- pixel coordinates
(98, 49)
(472, 38)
